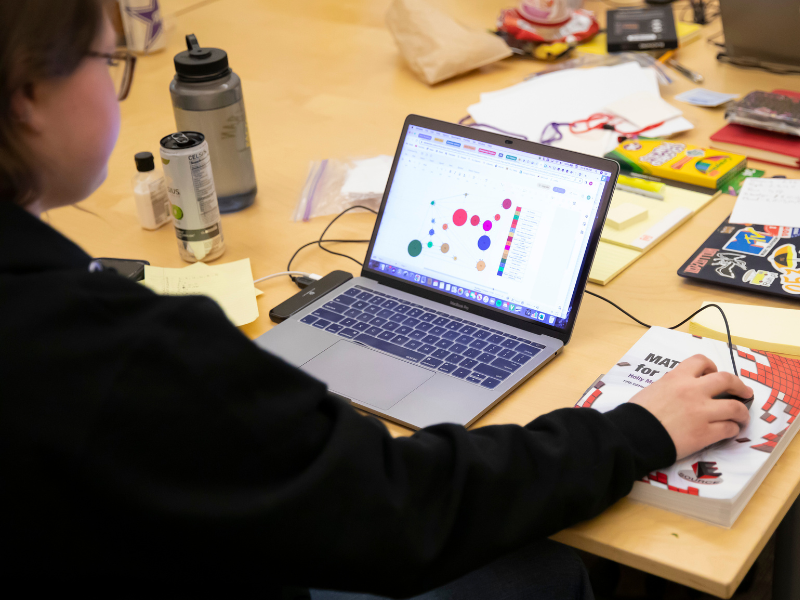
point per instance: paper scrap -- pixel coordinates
(704, 97)
(643, 109)
(767, 201)
(230, 285)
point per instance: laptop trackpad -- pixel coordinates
(366, 376)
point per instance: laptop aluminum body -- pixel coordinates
(472, 280)
(765, 32)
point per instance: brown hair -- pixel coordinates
(39, 40)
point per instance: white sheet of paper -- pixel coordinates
(643, 109)
(768, 202)
(563, 96)
(670, 128)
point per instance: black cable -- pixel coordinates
(717, 306)
(321, 240)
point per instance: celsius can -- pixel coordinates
(190, 185)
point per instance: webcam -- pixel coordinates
(509, 142)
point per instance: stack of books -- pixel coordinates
(760, 144)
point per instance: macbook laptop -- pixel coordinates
(756, 32)
(472, 280)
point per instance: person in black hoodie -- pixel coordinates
(138, 458)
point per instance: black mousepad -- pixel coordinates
(756, 258)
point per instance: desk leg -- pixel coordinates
(786, 575)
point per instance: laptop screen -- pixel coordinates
(488, 225)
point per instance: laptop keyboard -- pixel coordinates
(437, 340)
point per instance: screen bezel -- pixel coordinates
(536, 327)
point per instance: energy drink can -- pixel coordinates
(190, 185)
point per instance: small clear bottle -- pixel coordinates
(150, 193)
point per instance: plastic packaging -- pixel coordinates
(150, 193)
(334, 185)
(767, 110)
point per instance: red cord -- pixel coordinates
(598, 120)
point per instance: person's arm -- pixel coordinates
(237, 465)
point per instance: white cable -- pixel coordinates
(313, 276)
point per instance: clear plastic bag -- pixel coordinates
(334, 185)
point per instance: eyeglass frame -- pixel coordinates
(113, 59)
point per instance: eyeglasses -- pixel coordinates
(121, 65)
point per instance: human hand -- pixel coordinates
(683, 401)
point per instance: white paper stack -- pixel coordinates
(574, 94)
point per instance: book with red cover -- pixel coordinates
(760, 144)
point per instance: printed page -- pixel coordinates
(722, 470)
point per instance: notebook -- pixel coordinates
(716, 483)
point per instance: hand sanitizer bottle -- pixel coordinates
(150, 192)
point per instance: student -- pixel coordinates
(148, 447)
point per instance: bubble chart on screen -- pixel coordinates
(484, 242)
(475, 219)
(459, 217)
(497, 217)
(415, 248)
(507, 203)
(487, 225)
(481, 265)
(430, 232)
(445, 248)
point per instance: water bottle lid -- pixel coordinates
(200, 64)
(144, 162)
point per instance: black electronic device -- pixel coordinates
(650, 28)
(306, 296)
(728, 396)
(127, 267)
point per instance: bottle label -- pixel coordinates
(197, 235)
(228, 140)
(160, 201)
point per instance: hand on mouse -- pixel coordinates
(683, 401)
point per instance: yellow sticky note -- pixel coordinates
(759, 327)
(230, 285)
(625, 214)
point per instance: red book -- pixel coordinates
(760, 144)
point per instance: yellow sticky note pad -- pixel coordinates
(752, 326)
(625, 214)
(230, 285)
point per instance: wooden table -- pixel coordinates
(323, 79)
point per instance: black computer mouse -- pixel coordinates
(728, 396)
